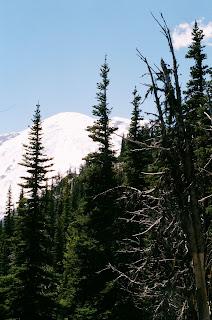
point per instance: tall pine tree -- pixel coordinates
(101, 130)
(89, 292)
(134, 156)
(199, 107)
(32, 296)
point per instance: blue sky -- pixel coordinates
(52, 50)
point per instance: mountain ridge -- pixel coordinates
(65, 140)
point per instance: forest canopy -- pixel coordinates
(130, 236)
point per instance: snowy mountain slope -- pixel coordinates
(65, 139)
(7, 136)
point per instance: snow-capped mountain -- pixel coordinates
(65, 140)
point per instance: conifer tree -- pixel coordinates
(8, 232)
(169, 270)
(6, 256)
(136, 160)
(198, 103)
(101, 130)
(3, 275)
(197, 99)
(135, 126)
(1, 246)
(32, 298)
(60, 202)
(196, 85)
(88, 291)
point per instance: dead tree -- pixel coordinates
(174, 211)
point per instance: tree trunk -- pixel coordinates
(198, 258)
(201, 294)
(195, 233)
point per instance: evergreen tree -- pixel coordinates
(1, 247)
(175, 206)
(3, 285)
(196, 85)
(7, 235)
(198, 124)
(197, 99)
(60, 203)
(101, 130)
(88, 291)
(9, 215)
(6, 256)
(135, 125)
(134, 156)
(32, 296)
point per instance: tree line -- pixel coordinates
(130, 236)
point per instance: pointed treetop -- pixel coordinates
(9, 205)
(37, 164)
(135, 117)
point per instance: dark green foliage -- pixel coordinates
(198, 102)
(134, 156)
(6, 256)
(7, 233)
(135, 125)
(175, 202)
(89, 290)
(101, 130)
(196, 85)
(62, 211)
(33, 273)
(88, 248)
(118, 241)
(9, 216)
(197, 99)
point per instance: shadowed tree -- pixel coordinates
(32, 299)
(170, 270)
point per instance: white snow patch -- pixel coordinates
(65, 140)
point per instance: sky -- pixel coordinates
(51, 51)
